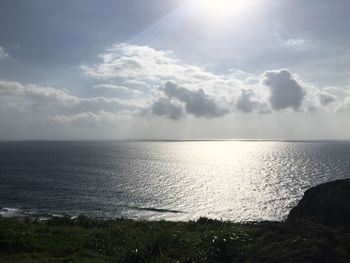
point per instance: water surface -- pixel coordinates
(230, 180)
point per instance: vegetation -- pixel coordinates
(205, 240)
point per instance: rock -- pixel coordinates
(327, 204)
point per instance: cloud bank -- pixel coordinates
(140, 84)
(178, 89)
(137, 79)
(54, 104)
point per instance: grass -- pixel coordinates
(205, 240)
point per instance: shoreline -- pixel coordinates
(37, 214)
(316, 230)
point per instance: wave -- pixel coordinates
(30, 213)
(152, 209)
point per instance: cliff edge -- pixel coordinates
(327, 204)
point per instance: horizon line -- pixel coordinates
(175, 140)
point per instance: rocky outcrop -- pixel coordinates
(328, 204)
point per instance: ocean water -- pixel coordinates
(229, 180)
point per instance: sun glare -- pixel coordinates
(223, 9)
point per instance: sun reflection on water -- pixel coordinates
(231, 180)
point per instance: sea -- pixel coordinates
(239, 181)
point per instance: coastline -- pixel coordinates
(316, 230)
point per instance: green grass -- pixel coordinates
(123, 240)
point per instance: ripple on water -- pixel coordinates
(230, 180)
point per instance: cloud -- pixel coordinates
(37, 112)
(286, 92)
(326, 98)
(118, 91)
(46, 102)
(3, 53)
(100, 117)
(197, 102)
(164, 107)
(299, 44)
(34, 96)
(248, 103)
(345, 106)
(142, 64)
(201, 93)
(19, 96)
(131, 61)
(132, 80)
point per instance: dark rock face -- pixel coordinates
(328, 204)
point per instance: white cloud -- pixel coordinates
(200, 92)
(118, 91)
(25, 97)
(33, 100)
(326, 98)
(139, 83)
(345, 106)
(130, 61)
(143, 64)
(3, 53)
(299, 44)
(100, 117)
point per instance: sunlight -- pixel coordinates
(223, 9)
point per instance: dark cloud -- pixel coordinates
(164, 107)
(247, 103)
(286, 92)
(197, 102)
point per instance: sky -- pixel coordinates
(175, 69)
